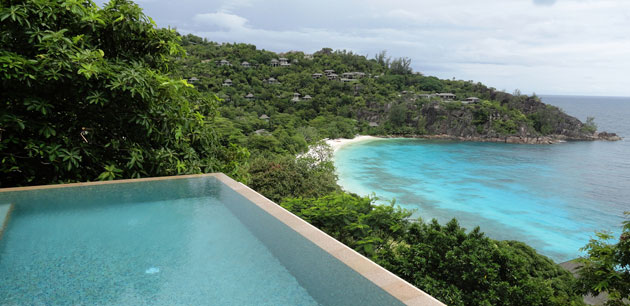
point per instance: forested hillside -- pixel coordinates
(293, 98)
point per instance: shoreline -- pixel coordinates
(338, 143)
(550, 139)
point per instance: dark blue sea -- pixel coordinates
(553, 197)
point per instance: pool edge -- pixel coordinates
(4, 218)
(382, 278)
(379, 276)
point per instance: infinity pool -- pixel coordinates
(185, 241)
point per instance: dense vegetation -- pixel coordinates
(94, 93)
(386, 98)
(86, 95)
(607, 267)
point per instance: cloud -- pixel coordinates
(545, 2)
(571, 46)
(221, 20)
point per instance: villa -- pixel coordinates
(224, 63)
(446, 96)
(227, 83)
(249, 96)
(275, 63)
(471, 100)
(316, 76)
(245, 64)
(307, 97)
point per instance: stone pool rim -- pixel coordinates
(382, 278)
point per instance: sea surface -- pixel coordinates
(553, 197)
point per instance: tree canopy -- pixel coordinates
(85, 94)
(606, 266)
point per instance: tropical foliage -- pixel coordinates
(606, 268)
(85, 95)
(455, 266)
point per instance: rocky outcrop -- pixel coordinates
(513, 120)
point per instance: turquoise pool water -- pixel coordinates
(174, 242)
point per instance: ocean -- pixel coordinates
(552, 197)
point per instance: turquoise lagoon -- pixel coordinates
(553, 197)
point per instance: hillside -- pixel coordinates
(293, 98)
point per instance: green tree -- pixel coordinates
(606, 268)
(283, 176)
(589, 126)
(85, 95)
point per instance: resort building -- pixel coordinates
(263, 117)
(307, 97)
(224, 63)
(275, 63)
(446, 96)
(316, 76)
(329, 72)
(332, 76)
(471, 100)
(249, 96)
(296, 97)
(308, 56)
(272, 81)
(227, 83)
(245, 64)
(193, 80)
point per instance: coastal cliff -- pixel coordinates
(505, 118)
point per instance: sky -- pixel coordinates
(573, 47)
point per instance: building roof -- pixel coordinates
(227, 81)
(373, 124)
(307, 97)
(263, 116)
(249, 95)
(317, 74)
(245, 63)
(193, 79)
(283, 59)
(274, 60)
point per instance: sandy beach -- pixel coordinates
(338, 143)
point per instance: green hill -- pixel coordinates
(332, 94)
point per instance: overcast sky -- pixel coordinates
(577, 47)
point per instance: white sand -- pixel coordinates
(338, 143)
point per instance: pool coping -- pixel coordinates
(384, 279)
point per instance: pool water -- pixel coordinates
(171, 241)
(191, 251)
